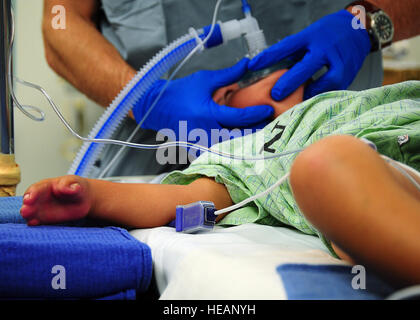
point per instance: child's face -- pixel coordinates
(258, 93)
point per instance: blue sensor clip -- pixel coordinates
(195, 217)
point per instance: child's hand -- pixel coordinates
(56, 200)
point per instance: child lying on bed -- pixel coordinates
(340, 189)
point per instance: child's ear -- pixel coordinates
(219, 95)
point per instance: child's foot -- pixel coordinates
(56, 200)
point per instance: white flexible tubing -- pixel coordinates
(90, 142)
(10, 78)
(185, 60)
(412, 292)
(404, 169)
(394, 163)
(129, 88)
(254, 197)
(124, 101)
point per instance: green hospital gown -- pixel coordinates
(388, 116)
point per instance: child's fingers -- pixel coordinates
(29, 198)
(33, 222)
(27, 211)
(34, 192)
(66, 187)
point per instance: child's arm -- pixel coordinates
(151, 205)
(68, 198)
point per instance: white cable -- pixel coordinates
(139, 145)
(254, 197)
(200, 46)
(398, 165)
(401, 167)
(406, 293)
(10, 80)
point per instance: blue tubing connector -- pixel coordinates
(246, 8)
(216, 37)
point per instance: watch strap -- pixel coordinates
(370, 9)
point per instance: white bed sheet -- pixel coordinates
(228, 263)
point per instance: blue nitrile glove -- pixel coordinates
(330, 42)
(190, 99)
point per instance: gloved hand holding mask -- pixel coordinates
(190, 99)
(332, 41)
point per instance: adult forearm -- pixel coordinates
(81, 55)
(404, 15)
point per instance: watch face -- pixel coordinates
(384, 28)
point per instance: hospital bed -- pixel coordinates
(229, 263)
(250, 261)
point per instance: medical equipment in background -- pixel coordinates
(9, 170)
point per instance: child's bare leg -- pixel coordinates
(137, 205)
(360, 203)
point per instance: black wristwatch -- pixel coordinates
(378, 24)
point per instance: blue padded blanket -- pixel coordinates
(9, 210)
(64, 262)
(329, 282)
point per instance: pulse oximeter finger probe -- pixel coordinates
(201, 215)
(194, 217)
